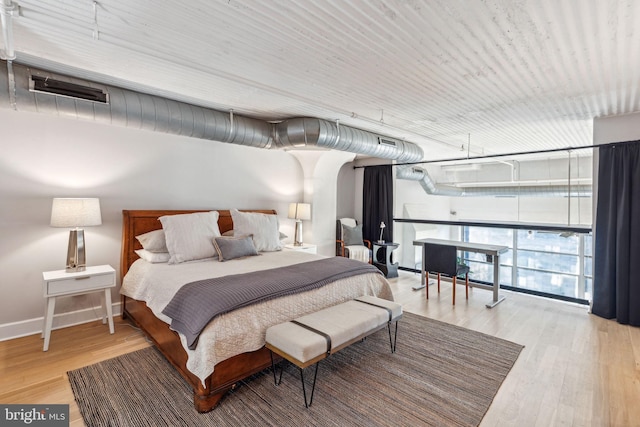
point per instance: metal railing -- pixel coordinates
(544, 259)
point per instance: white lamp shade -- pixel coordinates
(68, 212)
(300, 211)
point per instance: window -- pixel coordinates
(555, 263)
(480, 269)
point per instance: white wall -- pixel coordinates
(321, 169)
(346, 192)
(45, 157)
(616, 128)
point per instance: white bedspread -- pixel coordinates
(242, 330)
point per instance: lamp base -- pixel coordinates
(76, 259)
(297, 240)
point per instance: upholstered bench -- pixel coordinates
(309, 339)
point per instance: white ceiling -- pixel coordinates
(506, 76)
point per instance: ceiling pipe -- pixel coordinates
(7, 9)
(135, 110)
(302, 132)
(413, 173)
(142, 111)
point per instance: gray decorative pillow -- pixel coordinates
(230, 233)
(352, 235)
(229, 247)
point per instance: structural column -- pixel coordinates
(320, 169)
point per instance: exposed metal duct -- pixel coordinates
(137, 110)
(7, 9)
(430, 187)
(306, 132)
(148, 112)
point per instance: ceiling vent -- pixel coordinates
(71, 90)
(384, 141)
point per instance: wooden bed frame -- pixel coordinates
(228, 372)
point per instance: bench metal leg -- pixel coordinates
(277, 381)
(273, 368)
(395, 338)
(313, 388)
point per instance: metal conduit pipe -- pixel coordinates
(7, 8)
(430, 187)
(311, 132)
(141, 111)
(137, 110)
(413, 173)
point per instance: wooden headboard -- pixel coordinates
(135, 223)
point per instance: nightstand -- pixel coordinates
(383, 262)
(305, 247)
(59, 283)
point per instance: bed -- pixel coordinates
(220, 359)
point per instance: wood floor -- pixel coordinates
(576, 369)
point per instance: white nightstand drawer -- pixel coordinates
(80, 284)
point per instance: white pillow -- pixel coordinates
(153, 257)
(264, 228)
(153, 241)
(190, 236)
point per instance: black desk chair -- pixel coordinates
(444, 259)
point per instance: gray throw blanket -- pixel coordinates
(197, 303)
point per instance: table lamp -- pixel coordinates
(381, 240)
(299, 212)
(75, 213)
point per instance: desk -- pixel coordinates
(492, 251)
(388, 268)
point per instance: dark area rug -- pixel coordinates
(440, 375)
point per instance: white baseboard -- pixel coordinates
(9, 331)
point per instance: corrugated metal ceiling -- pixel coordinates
(506, 76)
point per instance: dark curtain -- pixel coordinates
(377, 203)
(616, 293)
